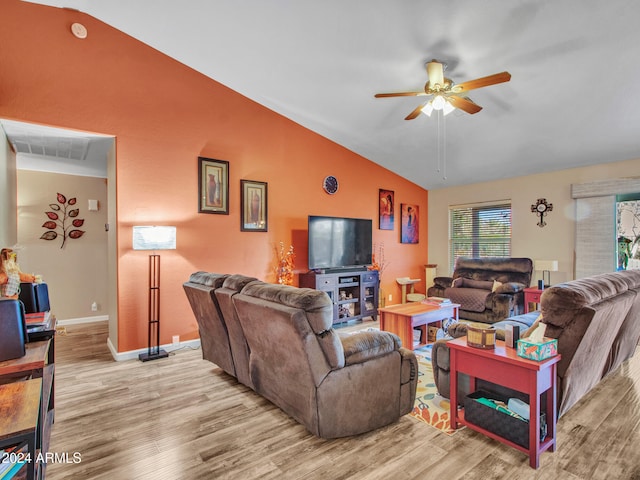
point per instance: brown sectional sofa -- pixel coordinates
(596, 321)
(280, 342)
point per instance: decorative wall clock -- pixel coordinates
(541, 208)
(330, 184)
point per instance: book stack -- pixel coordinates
(439, 301)
(37, 319)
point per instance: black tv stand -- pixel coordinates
(354, 292)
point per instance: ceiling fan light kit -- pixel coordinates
(447, 96)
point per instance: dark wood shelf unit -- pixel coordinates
(33, 399)
(354, 294)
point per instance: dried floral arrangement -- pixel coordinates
(64, 219)
(378, 261)
(284, 268)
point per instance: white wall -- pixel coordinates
(8, 194)
(555, 241)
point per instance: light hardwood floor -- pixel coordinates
(183, 418)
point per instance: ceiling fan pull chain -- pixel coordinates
(444, 147)
(438, 142)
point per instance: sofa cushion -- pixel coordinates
(560, 301)
(495, 268)
(314, 302)
(363, 346)
(462, 282)
(317, 307)
(509, 287)
(237, 282)
(207, 279)
(471, 299)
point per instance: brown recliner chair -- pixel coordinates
(214, 337)
(335, 385)
(472, 287)
(232, 285)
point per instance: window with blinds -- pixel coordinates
(480, 231)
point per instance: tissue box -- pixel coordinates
(537, 351)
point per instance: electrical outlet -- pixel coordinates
(390, 297)
(94, 307)
(176, 339)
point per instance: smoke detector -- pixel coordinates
(79, 30)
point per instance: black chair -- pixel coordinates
(35, 297)
(14, 329)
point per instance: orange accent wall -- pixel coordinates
(164, 115)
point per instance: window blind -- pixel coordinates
(479, 231)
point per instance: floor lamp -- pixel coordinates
(154, 238)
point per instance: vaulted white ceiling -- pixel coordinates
(572, 100)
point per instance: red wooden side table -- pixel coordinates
(504, 367)
(531, 295)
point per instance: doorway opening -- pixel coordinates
(628, 231)
(53, 165)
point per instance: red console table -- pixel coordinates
(504, 367)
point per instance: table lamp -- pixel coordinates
(546, 267)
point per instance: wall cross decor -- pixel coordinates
(541, 208)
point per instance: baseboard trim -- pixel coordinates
(133, 354)
(78, 321)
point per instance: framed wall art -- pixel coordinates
(213, 186)
(253, 206)
(386, 205)
(409, 231)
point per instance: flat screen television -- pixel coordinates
(339, 243)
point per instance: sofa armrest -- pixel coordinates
(443, 282)
(510, 287)
(363, 346)
(408, 380)
(456, 330)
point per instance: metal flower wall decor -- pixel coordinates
(63, 220)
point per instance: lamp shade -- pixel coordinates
(448, 108)
(438, 102)
(546, 265)
(427, 109)
(154, 238)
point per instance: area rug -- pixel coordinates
(429, 406)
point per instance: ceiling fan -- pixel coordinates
(447, 96)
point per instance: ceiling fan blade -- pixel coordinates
(464, 104)
(416, 112)
(435, 71)
(481, 82)
(399, 94)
